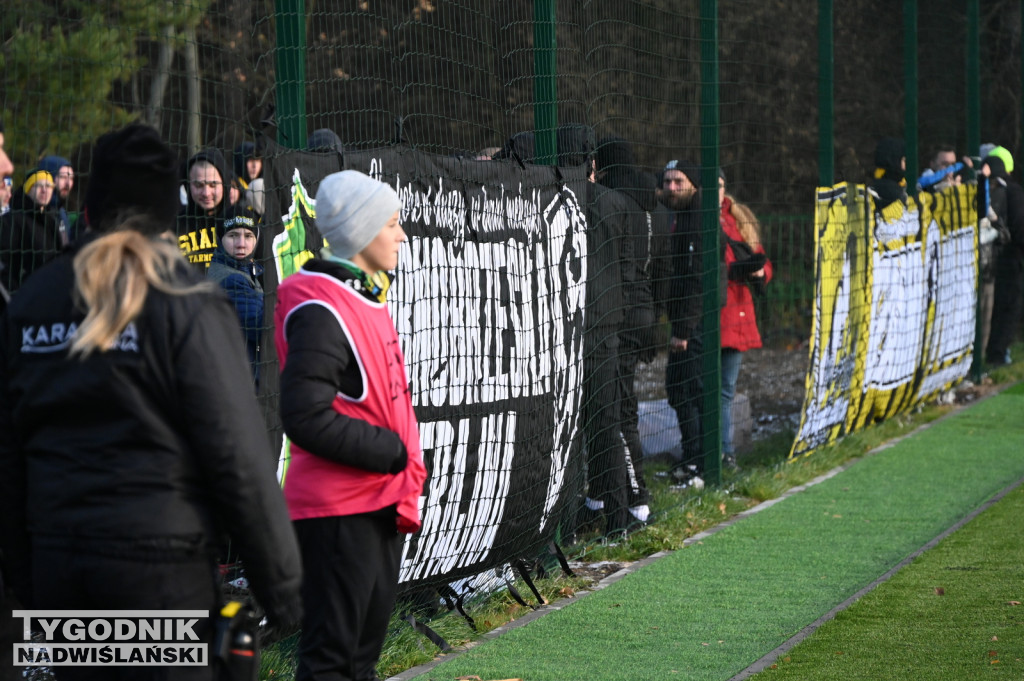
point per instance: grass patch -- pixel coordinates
(954, 613)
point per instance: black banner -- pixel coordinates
(488, 301)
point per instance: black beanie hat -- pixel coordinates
(576, 144)
(614, 151)
(519, 146)
(238, 216)
(889, 154)
(243, 152)
(133, 172)
(686, 167)
(324, 140)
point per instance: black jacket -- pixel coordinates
(159, 440)
(29, 238)
(607, 248)
(684, 291)
(637, 266)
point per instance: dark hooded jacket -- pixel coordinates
(53, 164)
(240, 279)
(889, 183)
(243, 152)
(683, 292)
(617, 171)
(1006, 198)
(519, 146)
(197, 229)
(30, 236)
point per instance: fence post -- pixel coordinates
(545, 108)
(973, 90)
(290, 60)
(973, 79)
(826, 69)
(910, 85)
(711, 408)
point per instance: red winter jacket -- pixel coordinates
(739, 325)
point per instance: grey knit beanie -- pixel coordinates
(351, 209)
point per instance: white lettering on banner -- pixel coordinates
(488, 304)
(834, 366)
(956, 297)
(452, 537)
(897, 317)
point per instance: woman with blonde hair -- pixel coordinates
(129, 435)
(748, 269)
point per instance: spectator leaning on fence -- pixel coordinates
(356, 471)
(888, 183)
(207, 204)
(680, 192)
(130, 445)
(945, 171)
(993, 236)
(748, 270)
(30, 233)
(1004, 195)
(616, 169)
(234, 270)
(248, 165)
(64, 181)
(609, 465)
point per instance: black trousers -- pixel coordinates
(606, 470)
(629, 424)
(65, 579)
(1006, 303)
(685, 387)
(350, 578)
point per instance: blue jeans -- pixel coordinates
(731, 360)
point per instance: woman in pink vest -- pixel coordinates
(356, 470)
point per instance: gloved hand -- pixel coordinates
(401, 461)
(742, 269)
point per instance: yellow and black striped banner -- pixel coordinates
(895, 304)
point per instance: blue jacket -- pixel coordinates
(240, 281)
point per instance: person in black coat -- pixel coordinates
(31, 233)
(609, 467)
(208, 204)
(680, 192)
(616, 170)
(888, 183)
(1006, 205)
(130, 437)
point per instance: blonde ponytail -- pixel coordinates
(112, 278)
(747, 223)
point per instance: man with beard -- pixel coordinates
(680, 192)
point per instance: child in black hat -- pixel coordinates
(233, 268)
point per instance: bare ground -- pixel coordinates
(774, 382)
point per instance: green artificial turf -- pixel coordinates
(713, 608)
(954, 613)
